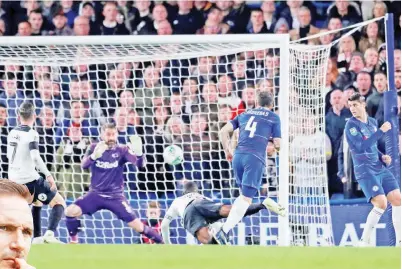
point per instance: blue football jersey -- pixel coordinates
(256, 126)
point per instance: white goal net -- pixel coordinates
(176, 90)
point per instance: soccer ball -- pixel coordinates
(173, 155)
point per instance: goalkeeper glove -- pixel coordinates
(100, 148)
(135, 145)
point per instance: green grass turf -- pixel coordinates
(211, 257)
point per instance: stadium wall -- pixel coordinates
(348, 221)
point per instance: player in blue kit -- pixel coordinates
(106, 160)
(376, 181)
(256, 127)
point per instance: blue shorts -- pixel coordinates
(248, 170)
(376, 184)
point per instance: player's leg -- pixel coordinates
(47, 196)
(85, 205)
(268, 203)
(391, 188)
(251, 181)
(37, 222)
(372, 189)
(197, 225)
(124, 212)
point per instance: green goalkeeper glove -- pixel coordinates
(100, 148)
(135, 145)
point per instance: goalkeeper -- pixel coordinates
(106, 161)
(376, 181)
(198, 213)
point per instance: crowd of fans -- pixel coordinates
(185, 102)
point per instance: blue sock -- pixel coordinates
(73, 225)
(55, 217)
(36, 210)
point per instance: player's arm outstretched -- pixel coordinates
(355, 138)
(93, 154)
(39, 163)
(170, 215)
(224, 135)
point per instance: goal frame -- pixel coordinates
(281, 41)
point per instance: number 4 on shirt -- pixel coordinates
(251, 126)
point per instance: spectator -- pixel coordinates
(305, 28)
(108, 98)
(371, 60)
(143, 17)
(268, 9)
(110, 26)
(4, 130)
(164, 28)
(188, 20)
(249, 97)
(149, 89)
(289, 13)
(363, 84)
(347, 11)
(356, 66)
(60, 24)
(78, 121)
(24, 29)
(81, 26)
(214, 24)
(121, 121)
(258, 25)
(159, 14)
(227, 96)
(205, 70)
(374, 100)
(153, 220)
(75, 181)
(44, 95)
(271, 173)
(36, 20)
(87, 11)
(281, 27)
(210, 101)
(68, 11)
(11, 98)
(203, 7)
(191, 95)
(239, 71)
(371, 37)
(46, 128)
(126, 99)
(2, 27)
(398, 80)
(335, 121)
(335, 23)
(346, 47)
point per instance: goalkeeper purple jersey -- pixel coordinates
(256, 126)
(362, 139)
(107, 176)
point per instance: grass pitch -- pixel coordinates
(211, 257)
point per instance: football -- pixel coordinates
(173, 155)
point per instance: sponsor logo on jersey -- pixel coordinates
(115, 155)
(42, 197)
(353, 131)
(106, 165)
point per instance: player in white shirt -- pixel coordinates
(198, 213)
(24, 162)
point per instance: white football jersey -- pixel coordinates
(179, 205)
(21, 167)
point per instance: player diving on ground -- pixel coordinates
(376, 181)
(106, 160)
(198, 213)
(256, 127)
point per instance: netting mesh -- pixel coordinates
(173, 94)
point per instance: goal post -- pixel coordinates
(108, 73)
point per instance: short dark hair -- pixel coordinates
(8, 187)
(356, 97)
(26, 110)
(9, 76)
(37, 11)
(189, 187)
(108, 125)
(265, 99)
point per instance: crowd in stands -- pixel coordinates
(185, 102)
